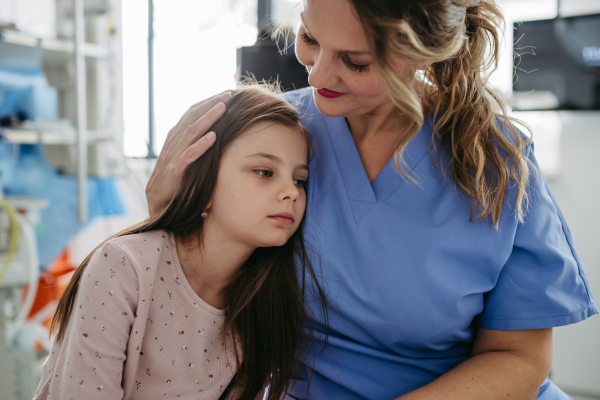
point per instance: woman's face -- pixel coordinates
(259, 199)
(333, 45)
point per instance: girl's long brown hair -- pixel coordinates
(459, 40)
(265, 302)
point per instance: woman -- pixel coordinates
(443, 280)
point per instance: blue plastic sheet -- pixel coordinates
(33, 176)
(27, 91)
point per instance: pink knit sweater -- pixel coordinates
(138, 330)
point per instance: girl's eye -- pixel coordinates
(299, 182)
(307, 40)
(265, 173)
(354, 67)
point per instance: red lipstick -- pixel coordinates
(329, 94)
(283, 218)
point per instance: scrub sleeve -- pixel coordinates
(542, 284)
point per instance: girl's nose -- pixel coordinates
(290, 192)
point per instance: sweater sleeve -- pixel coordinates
(88, 363)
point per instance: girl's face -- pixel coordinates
(333, 45)
(259, 199)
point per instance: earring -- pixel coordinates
(204, 214)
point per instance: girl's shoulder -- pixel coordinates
(139, 250)
(140, 240)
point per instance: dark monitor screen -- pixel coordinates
(559, 58)
(264, 61)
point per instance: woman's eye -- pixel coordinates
(307, 40)
(299, 182)
(354, 67)
(265, 173)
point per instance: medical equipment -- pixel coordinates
(19, 267)
(565, 55)
(265, 61)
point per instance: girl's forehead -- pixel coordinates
(270, 136)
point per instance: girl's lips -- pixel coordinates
(283, 218)
(329, 94)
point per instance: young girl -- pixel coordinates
(201, 301)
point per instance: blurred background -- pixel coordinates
(90, 88)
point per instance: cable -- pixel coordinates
(34, 273)
(20, 224)
(29, 235)
(14, 237)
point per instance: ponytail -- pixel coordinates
(472, 126)
(459, 40)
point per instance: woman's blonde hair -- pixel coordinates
(459, 40)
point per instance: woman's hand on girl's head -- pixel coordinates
(185, 143)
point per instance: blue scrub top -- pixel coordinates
(407, 275)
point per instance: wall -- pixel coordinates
(576, 366)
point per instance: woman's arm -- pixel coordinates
(504, 364)
(185, 143)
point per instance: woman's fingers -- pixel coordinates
(192, 114)
(201, 124)
(201, 108)
(195, 151)
(181, 136)
(193, 147)
(223, 97)
(206, 108)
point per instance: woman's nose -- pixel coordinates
(320, 73)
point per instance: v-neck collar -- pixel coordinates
(362, 194)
